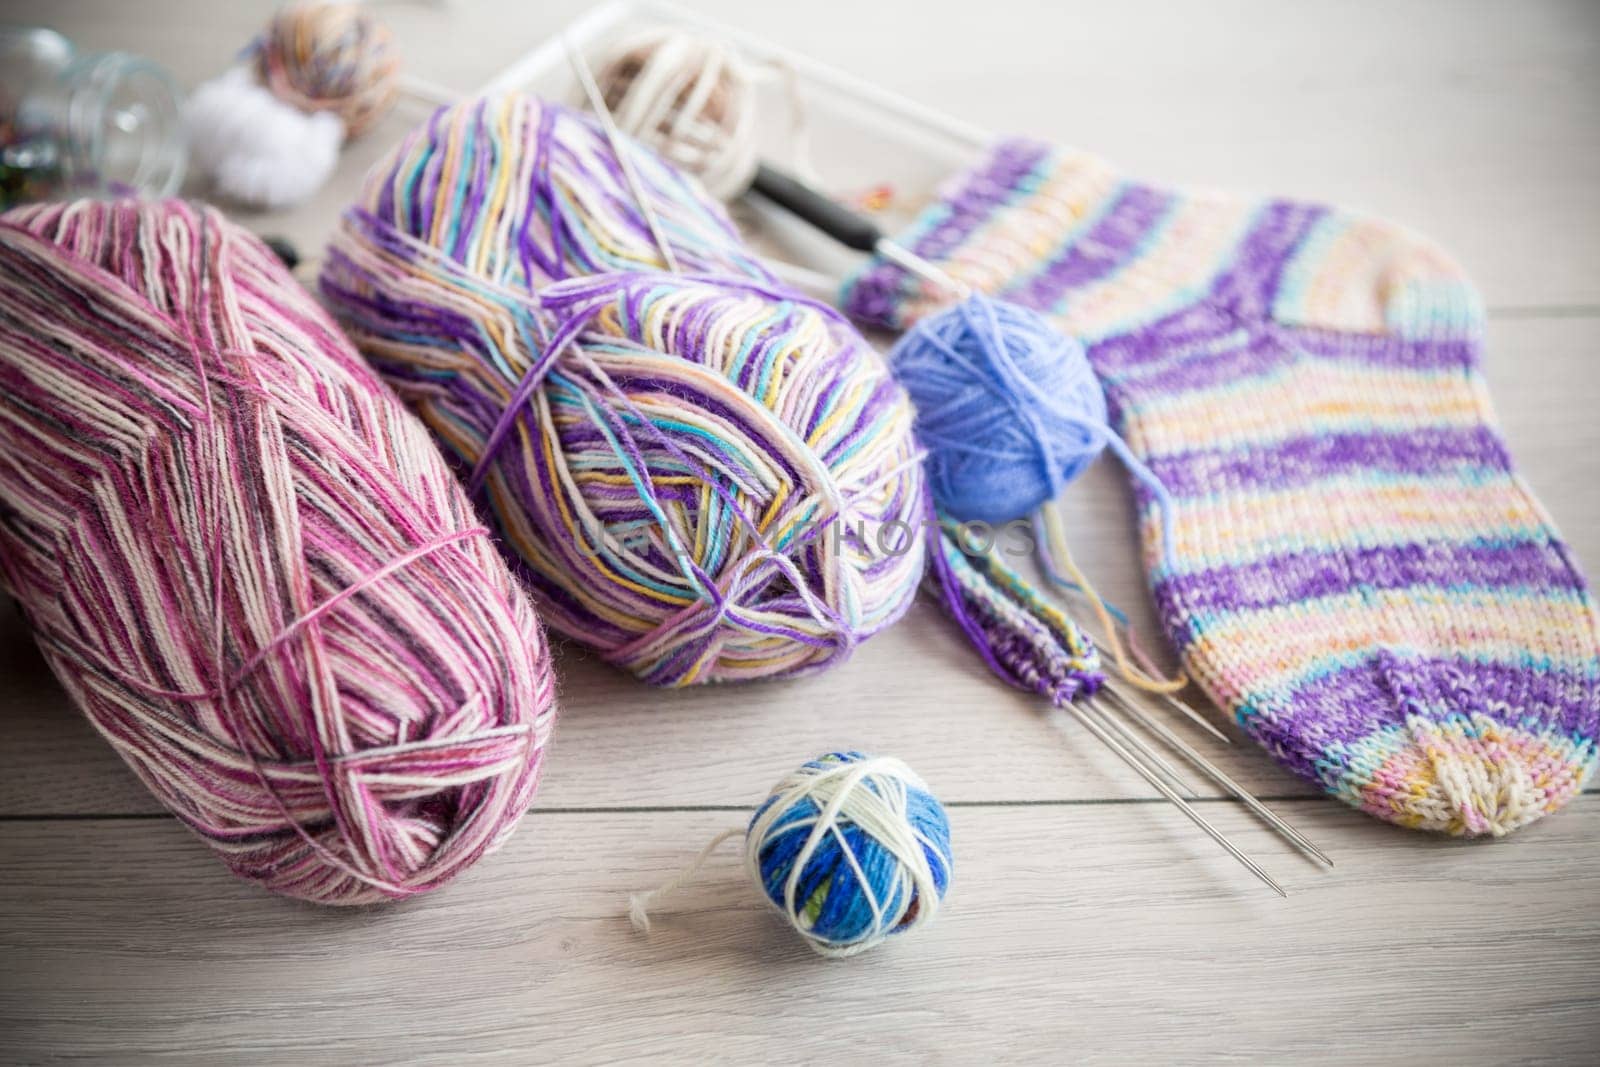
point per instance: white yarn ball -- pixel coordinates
(691, 99)
(257, 149)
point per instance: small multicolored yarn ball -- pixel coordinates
(331, 57)
(267, 132)
(850, 849)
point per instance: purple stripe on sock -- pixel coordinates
(1161, 370)
(1304, 460)
(1254, 260)
(1193, 327)
(874, 296)
(1157, 367)
(1382, 349)
(992, 185)
(1345, 705)
(1250, 283)
(1109, 245)
(1197, 599)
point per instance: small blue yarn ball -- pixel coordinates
(851, 849)
(1007, 406)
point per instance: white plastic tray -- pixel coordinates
(858, 136)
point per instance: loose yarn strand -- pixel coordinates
(622, 152)
(639, 904)
(1060, 552)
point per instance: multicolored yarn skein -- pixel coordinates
(704, 476)
(269, 130)
(247, 562)
(850, 849)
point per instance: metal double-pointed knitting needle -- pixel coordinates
(1195, 717)
(1150, 755)
(1216, 774)
(1090, 722)
(1107, 728)
(1178, 706)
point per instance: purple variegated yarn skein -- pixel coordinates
(248, 564)
(702, 475)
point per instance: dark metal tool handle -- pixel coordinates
(833, 219)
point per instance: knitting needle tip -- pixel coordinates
(909, 261)
(1199, 719)
(1178, 705)
(1104, 736)
(1216, 774)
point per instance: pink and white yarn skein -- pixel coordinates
(249, 565)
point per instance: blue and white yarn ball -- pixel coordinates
(851, 849)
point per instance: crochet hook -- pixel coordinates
(845, 226)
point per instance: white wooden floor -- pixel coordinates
(1088, 922)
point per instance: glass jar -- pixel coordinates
(84, 123)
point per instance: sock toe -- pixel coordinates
(1466, 774)
(1467, 748)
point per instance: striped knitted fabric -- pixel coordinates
(1359, 576)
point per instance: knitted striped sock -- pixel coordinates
(1359, 576)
